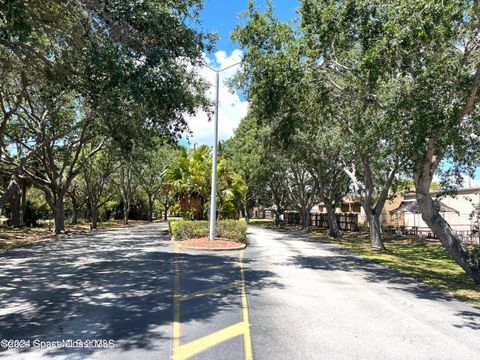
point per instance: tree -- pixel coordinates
(442, 89)
(271, 77)
(151, 174)
(97, 177)
(166, 199)
(325, 156)
(127, 185)
(274, 182)
(52, 121)
(302, 191)
(245, 150)
(119, 59)
(426, 55)
(78, 199)
(286, 94)
(341, 57)
(231, 190)
(126, 48)
(190, 180)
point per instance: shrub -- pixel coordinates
(235, 230)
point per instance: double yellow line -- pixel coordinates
(185, 351)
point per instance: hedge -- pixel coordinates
(235, 230)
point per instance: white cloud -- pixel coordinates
(231, 108)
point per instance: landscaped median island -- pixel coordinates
(427, 261)
(230, 234)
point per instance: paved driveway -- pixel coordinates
(324, 303)
(285, 297)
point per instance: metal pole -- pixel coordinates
(213, 194)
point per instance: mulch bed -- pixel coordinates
(205, 244)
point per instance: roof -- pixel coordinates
(467, 190)
(412, 207)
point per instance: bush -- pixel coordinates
(235, 230)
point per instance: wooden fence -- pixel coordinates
(348, 222)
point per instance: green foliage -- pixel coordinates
(78, 75)
(190, 178)
(246, 151)
(235, 230)
(416, 60)
(122, 56)
(31, 215)
(189, 173)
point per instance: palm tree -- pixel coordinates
(189, 177)
(231, 190)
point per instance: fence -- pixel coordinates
(348, 222)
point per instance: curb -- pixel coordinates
(240, 247)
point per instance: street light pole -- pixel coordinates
(213, 193)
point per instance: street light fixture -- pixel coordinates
(213, 194)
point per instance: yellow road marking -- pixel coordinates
(192, 348)
(197, 346)
(247, 339)
(205, 292)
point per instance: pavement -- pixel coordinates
(130, 294)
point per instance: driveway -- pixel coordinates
(128, 294)
(324, 303)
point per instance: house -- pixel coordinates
(401, 213)
(457, 212)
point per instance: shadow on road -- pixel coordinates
(471, 319)
(113, 285)
(342, 260)
(371, 272)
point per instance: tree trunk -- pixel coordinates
(455, 247)
(165, 213)
(59, 214)
(247, 215)
(73, 220)
(16, 213)
(15, 203)
(277, 219)
(376, 231)
(334, 229)
(23, 203)
(150, 209)
(126, 211)
(94, 215)
(305, 218)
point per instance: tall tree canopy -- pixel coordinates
(127, 68)
(399, 79)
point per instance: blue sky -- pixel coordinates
(221, 17)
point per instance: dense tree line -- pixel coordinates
(354, 97)
(90, 91)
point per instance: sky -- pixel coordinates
(221, 17)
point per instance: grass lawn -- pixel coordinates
(426, 261)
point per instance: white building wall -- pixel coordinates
(463, 202)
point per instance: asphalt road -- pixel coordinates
(284, 297)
